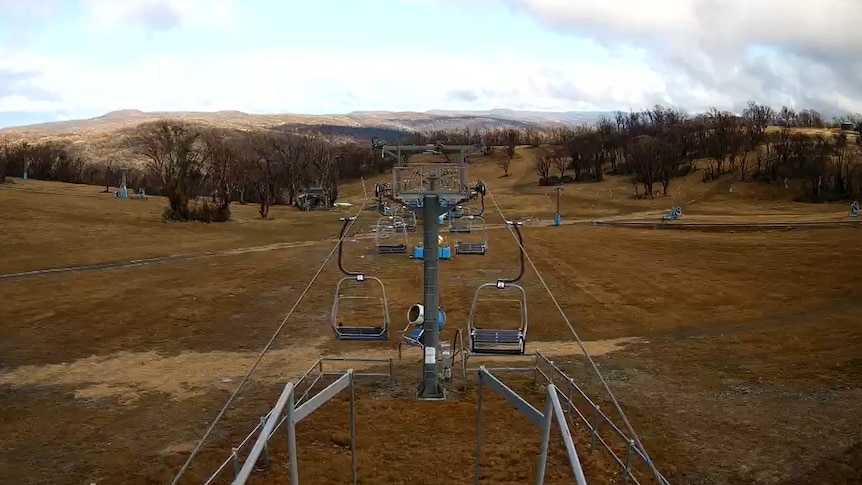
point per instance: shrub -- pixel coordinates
(203, 212)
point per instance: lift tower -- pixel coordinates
(434, 189)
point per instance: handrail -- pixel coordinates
(293, 416)
(286, 398)
(554, 409)
(538, 418)
(599, 418)
(317, 366)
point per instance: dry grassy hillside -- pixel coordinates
(739, 359)
(103, 139)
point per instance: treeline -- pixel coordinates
(654, 146)
(53, 160)
(201, 169)
(194, 163)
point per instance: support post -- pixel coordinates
(629, 461)
(546, 437)
(263, 463)
(430, 387)
(595, 432)
(557, 216)
(478, 431)
(234, 458)
(353, 424)
(291, 441)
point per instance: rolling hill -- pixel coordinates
(405, 121)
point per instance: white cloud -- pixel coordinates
(691, 53)
(18, 103)
(161, 14)
(724, 52)
(309, 81)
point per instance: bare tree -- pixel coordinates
(739, 153)
(291, 152)
(266, 172)
(543, 166)
(723, 126)
(323, 168)
(221, 168)
(4, 158)
(176, 157)
(646, 153)
(843, 161)
(245, 168)
(561, 163)
(511, 141)
(576, 162)
(266, 176)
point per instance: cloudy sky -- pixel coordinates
(62, 59)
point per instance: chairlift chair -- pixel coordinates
(459, 225)
(351, 331)
(485, 339)
(479, 248)
(386, 235)
(410, 221)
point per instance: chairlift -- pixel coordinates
(459, 225)
(485, 339)
(386, 236)
(410, 221)
(386, 209)
(475, 247)
(352, 331)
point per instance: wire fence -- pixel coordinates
(625, 451)
(302, 391)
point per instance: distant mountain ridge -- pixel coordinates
(398, 120)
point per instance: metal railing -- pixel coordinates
(412, 181)
(596, 421)
(269, 425)
(564, 398)
(543, 420)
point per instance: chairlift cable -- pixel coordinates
(579, 341)
(266, 347)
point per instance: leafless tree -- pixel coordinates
(4, 158)
(646, 154)
(266, 172)
(845, 157)
(723, 127)
(223, 160)
(176, 157)
(560, 162)
(511, 141)
(292, 153)
(543, 165)
(323, 168)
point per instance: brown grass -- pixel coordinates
(736, 356)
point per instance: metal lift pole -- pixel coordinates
(434, 185)
(430, 387)
(557, 216)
